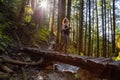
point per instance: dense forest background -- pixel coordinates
(34, 23)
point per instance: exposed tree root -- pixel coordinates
(20, 63)
(7, 60)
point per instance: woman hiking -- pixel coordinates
(65, 34)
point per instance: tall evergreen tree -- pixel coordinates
(86, 30)
(53, 15)
(89, 40)
(113, 31)
(69, 9)
(81, 28)
(61, 15)
(97, 30)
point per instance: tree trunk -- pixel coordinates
(105, 39)
(61, 15)
(89, 40)
(33, 4)
(69, 9)
(103, 30)
(113, 32)
(111, 26)
(81, 28)
(53, 16)
(108, 48)
(97, 30)
(86, 31)
(22, 11)
(93, 31)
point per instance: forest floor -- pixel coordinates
(38, 72)
(16, 72)
(32, 74)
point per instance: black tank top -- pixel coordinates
(67, 30)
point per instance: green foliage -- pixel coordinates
(42, 35)
(100, 3)
(13, 4)
(28, 13)
(1, 18)
(4, 22)
(77, 76)
(28, 10)
(28, 18)
(4, 42)
(118, 57)
(3, 38)
(117, 31)
(108, 4)
(72, 49)
(118, 42)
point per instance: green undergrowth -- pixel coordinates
(41, 35)
(3, 42)
(72, 50)
(4, 39)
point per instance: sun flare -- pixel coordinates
(43, 4)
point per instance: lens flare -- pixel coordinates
(43, 4)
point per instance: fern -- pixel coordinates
(4, 40)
